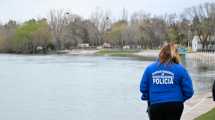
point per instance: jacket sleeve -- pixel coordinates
(213, 91)
(187, 86)
(144, 88)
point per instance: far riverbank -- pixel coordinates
(153, 54)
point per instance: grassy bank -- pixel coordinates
(124, 53)
(120, 53)
(207, 116)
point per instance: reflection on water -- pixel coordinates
(70, 88)
(203, 74)
(78, 87)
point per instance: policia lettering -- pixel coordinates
(163, 77)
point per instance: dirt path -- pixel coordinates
(198, 105)
(78, 52)
(148, 53)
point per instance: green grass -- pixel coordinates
(207, 116)
(124, 53)
(119, 53)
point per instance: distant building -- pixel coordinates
(107, 45)
(197, 45)
(86, 45)
(39, 48)
(99, 47)
(126, 47)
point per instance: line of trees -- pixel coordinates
(64, 30)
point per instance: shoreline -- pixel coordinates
(78, 52)
(148, 53)
(199, 104)
(139, 53)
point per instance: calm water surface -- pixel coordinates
(78, 87)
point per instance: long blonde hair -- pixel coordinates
(169, 54)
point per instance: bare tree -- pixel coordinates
(203, 25)
(101, 19)
(57, 21)
(7, 32)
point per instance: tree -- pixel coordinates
(74, 34)
(91, 31)
(114, 36)
(41, 37)
(203, 25)
(31, 35)
(57, 21)
(102, 21)
(7, 32)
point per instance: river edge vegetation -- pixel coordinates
(131, 54)
(120, 53)
(63, 30)
(207, 116)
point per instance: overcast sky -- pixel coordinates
(21, 10)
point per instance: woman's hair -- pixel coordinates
(169, 54)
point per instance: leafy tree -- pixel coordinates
(31, 35)
(114, 36)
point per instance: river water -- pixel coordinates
(60, 87)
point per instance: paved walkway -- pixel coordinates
(198, 105)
